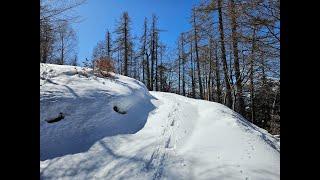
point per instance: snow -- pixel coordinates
(161, 135)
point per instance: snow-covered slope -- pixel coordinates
(160, 136)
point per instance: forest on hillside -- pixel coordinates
(230, 55)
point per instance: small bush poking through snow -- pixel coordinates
(103, 66)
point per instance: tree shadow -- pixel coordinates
(120, 166)
(116, 165)
(71, 91)
(87, 121)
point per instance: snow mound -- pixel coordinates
(158, 135)
(87, 105)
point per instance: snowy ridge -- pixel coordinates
(161, 135)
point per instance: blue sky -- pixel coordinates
(100, 15)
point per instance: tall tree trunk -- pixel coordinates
(192, 72)
(125, 69)
(119, 62)
(152, 54)
(143, 70)
(266, 109)
(224, 58)
(233, 90)
(152, 65)
(274, 104)
(253, 114)
(44, 55)
(213, 91)
(144, 56)
(45, 47)
(148, 72)
(108, 45)
(197, 53)
(179, 72)
(210, 70)
(217, 70)
(156, 59)
(205, 87)
(62, 51)
(183, 66)
(234, 37)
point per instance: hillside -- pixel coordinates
(114, 128)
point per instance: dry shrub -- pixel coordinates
(104, 66)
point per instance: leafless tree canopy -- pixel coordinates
(57, 38)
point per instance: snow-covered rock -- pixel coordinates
(160, 135)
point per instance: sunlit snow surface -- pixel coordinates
(161, 136)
